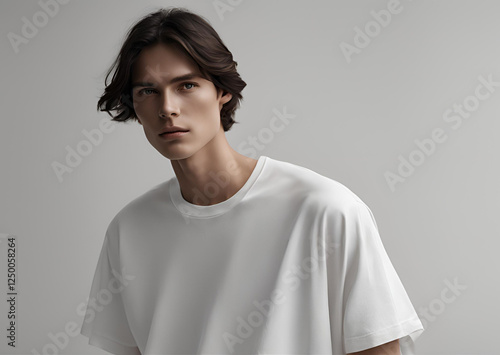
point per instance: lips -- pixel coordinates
(173, 130)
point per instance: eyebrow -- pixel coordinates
(188, 76)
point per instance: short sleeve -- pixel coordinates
(377, 308)
(105, 322)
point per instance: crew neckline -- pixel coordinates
(192, 210)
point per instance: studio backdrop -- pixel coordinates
(397, 100)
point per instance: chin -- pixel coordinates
(175, 155)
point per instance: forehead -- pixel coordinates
(161, 62)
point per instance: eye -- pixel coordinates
(146, 90)
(141, 92)
(189, 84)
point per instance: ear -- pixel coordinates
(225, 98)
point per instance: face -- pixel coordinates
(162, 99)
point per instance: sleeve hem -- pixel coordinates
(109, 345)
(410, 330)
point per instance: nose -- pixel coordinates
(168, 105)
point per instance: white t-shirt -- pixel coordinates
(291, 264)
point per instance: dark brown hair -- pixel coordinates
(196, 37)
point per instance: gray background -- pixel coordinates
(353, 120)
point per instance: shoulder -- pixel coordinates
(317, 190)
(143, 206)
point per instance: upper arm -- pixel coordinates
(390, 348)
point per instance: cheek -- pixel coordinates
(141, 110)
(205, 100)
(205, 105)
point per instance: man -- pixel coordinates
(232, 255)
